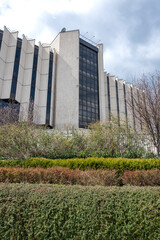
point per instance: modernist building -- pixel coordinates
(62, 84)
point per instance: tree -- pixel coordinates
(147, 106)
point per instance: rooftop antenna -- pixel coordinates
(63, 29)
(98, 41)
(92, 37)
(85, 34)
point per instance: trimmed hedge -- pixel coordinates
(60, 175)
(80, 213)
(87, 163)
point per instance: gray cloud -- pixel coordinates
(128, 29)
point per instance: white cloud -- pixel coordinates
(123, 26)
(24, 15)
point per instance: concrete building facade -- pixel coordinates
(62, 84)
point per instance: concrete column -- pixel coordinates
(129, 104)
(67, 79)
(24, 77)
(122, 114)
(41, 87)
(138, 123)
(101, 77)
(7, 57)
(113, 96)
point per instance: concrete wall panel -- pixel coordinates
(101, 83)
(7, 56)
(67, 80)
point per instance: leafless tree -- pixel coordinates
(147, 106)
(8, 114)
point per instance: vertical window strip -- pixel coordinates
(1, 36)
(88, 85)
(33, 81)
(109, 99)
(49, 88)
(134, 123)
(125, 100)
(15, 69)
(117, 98)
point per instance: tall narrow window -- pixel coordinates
(88, 84)
(16, 68)
(49, 88)
(1, 36)
(125, 100)
(117, 98)
(33, 81)
(132, 100)
(109, 99)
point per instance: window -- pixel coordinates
(1, 36)
(16, 68)
(88, 84)
(33, 81)
(49, 88)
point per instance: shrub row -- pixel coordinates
(87, 163)
(60, 175)
(24, 140)
(81, 213)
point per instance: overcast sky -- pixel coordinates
(128, 29)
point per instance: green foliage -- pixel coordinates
(107, 139)
(111, 139)
(79, 213)
(87, 163)
(17, 140)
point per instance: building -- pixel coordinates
(62, 84)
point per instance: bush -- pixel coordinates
(75, 212)
(17, 140)
(142, 178)
(58, 175)
(87, 163)
(111, 139)
(108, 139)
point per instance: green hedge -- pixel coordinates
(88, 163)
(78, 213)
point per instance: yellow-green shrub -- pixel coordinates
(86, 163)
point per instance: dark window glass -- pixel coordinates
(33, 81)
(1, 36)
(125, 100)
(109, 99)
(16, 68)
(49, 88)
(117, 97)
(88, 84)
(134, 123)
